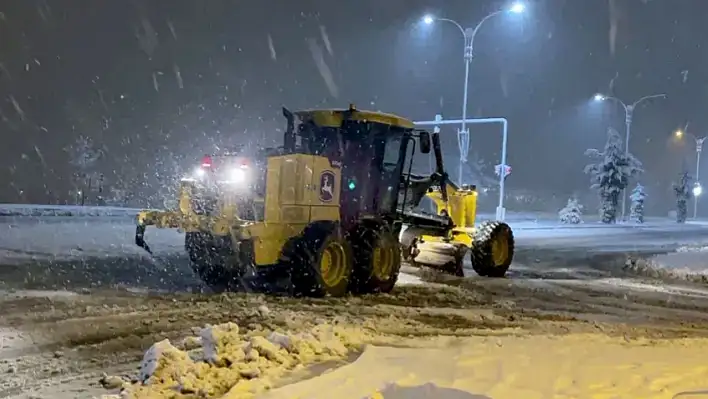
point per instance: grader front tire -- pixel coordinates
(378, 261)
(493, 249)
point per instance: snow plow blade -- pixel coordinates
(160, 219)
(438, 254)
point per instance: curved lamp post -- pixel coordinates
(697, 188)
(469, 34)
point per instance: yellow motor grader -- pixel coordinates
(325, 211)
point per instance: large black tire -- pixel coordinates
(321, 262)
(378, 260)
(493, 249)
(209, 257)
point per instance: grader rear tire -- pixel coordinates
(322, 263)
(209, 256)
(378, 261)
(493, 249)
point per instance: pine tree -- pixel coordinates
(636, 211)
(610, 175)
(572, 213)
(682, 190)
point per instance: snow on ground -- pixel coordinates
(72, 238)
(35, 234)
(409, 279)
(686, 260)
(575, 366)
(84, 235)
(228, 363)
(64, 210)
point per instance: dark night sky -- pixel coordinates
(76, 67)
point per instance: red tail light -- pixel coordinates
(206, 162)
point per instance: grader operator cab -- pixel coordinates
(325, 211)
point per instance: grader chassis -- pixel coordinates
(326, 210)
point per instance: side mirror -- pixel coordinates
(424, 140)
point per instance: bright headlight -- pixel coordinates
(238, 175)
(199, 172)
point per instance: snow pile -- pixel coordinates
(685, 264)
(234, 364)
(692, 249)
(65, 211)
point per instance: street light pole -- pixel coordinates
(699, 148)
(697, 189)
(469, 34)
(463, 135)
(628, 115)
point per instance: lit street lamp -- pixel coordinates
(628, 114)
(469, 34)
(697, 189)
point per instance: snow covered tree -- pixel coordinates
(572, 213)
(610, 174)
(682, 190)
(636, 210)
(83, 156)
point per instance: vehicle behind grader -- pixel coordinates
(332, 211)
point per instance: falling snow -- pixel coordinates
(322, 67)
(178, 76)
(271, 47)
(325, 39)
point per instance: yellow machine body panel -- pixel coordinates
(461, 205)
(300, 189)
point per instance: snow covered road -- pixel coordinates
(95, 248)
(561, 280)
